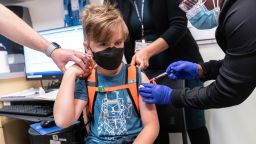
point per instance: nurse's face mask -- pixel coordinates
(202, 18)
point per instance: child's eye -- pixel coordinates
(118, 42)
(103, 44)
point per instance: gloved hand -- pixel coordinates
(155, 94)
(182, 70)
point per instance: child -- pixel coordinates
(111, 91)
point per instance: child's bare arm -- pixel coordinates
(67, 109)
(149, 119)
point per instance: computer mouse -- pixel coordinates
(47, 123)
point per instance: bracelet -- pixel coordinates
(51, 48)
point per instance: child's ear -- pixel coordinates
(86, 46)
(87, 49)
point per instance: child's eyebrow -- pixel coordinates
(119, 40)
(109, 42)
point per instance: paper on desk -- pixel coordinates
(26, 92)
(50, 96)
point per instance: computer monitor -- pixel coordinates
(39, 66)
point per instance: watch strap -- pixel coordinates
(51, 48)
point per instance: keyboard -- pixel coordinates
(30, 110)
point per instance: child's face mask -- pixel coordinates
(109, 58)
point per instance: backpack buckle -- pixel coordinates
(100, 89)
(131, 81)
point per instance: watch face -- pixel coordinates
(56, 45)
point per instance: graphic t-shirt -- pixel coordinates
(114, 119)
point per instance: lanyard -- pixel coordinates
(140, 15)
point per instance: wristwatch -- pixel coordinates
(51, 48)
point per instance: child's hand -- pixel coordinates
(75, 69)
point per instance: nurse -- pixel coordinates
(235, 75)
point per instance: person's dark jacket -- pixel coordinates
(236, 74)
(170, 23)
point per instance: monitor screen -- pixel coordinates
(39, 66)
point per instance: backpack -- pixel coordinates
(131, 84)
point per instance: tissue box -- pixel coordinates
(16, 62)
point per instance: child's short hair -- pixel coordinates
(100, 21)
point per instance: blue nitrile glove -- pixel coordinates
(182, 70)
(155, 94)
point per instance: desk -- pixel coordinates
(13, 131)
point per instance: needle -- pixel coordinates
(159, 76)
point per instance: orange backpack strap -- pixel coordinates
(92, 86)
(132, 80)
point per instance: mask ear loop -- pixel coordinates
(202, 2)
(218, 5)
(214, 4)
(216, 9)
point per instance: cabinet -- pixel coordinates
(13, 131)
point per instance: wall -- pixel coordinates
(234, 125)
(45, 14)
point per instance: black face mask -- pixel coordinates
(109, 58)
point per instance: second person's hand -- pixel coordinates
(155, 94)
(141, 59)
(182, 70)
(62, 56)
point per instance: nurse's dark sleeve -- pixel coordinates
(177, 24)
(237, 74)
(211, 69)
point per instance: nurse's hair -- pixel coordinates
(100, 21)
